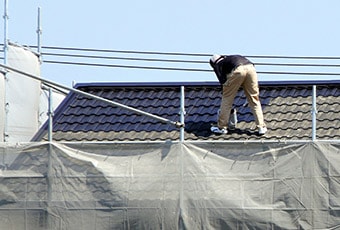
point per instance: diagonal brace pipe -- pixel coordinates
(88, 95)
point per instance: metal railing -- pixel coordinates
(314, 113)
(179, 124)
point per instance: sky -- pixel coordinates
(248, 27)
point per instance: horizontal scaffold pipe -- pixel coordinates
(88, 95)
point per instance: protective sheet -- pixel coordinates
(22, 95)
(2, 104)
(170, 186)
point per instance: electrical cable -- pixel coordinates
(126, 66)
(123, 51)
(88, 63)
(181, 54)
(178, 53)
(183, 69)
(180, 61)
(120, 58)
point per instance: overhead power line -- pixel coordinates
(71, 55)
(127, 66)
(120, 58)
(184, 69)
(166, 60)
(183, 54)
(179, 61)
(178, 53)
(126, 51)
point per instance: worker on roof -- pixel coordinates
(234, 71)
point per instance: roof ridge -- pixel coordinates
(202, 83)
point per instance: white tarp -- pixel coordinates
(21, 95)
(2, 104)
(26, 102)
(170, 186)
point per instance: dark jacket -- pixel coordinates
(227, 64)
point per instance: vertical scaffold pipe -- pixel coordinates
(5, 50)
(50, 116)
(182, 114)
(39, 32)
(5, 31)
(314, 112)
(49, 165)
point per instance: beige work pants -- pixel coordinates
(245, 76)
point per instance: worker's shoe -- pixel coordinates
(216, 129)
(262, 130)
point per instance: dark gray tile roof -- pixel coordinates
(286, 105)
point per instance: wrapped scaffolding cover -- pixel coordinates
(170, 186)
(22, 95)
(2, 105)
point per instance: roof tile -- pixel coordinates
(287, 111)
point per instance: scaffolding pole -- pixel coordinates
(182, 114)
(5, 50)
(39, 33)
(314, 112)
(50, 115)
(5, 31)
(88, 95)
(49, 176)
